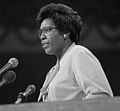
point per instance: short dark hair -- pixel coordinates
(64, 17)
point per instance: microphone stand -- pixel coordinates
(21, 98)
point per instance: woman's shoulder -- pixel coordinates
(79, 49)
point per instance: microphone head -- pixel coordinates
(9, 77)
(30, 89)
(14, 62)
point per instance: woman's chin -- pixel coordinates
(49, 52)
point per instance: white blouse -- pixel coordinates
(80, 77)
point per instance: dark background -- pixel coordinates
(34, 63)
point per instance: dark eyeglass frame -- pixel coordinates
(47, 31)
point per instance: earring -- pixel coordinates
(64, 35)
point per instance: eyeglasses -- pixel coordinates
(47, 31)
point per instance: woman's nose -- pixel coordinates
(42, 37)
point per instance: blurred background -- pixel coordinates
(19, 39)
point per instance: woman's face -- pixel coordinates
(52, 40)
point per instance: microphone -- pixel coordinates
(8, 78)
(23, 95)
(13, 62)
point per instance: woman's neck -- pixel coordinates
(63, 50)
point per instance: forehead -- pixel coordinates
(47, 23)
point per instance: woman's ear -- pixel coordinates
(66, 35)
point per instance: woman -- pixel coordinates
(78, 73)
